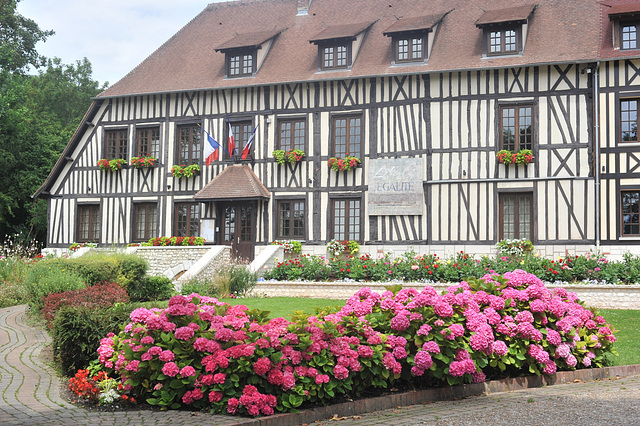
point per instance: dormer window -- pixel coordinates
(626, 26)
(504, 31)
(336, 56)
(338, 46)
(410, 38)
(245, 53)
(241, 64)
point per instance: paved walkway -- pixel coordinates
(30, 395)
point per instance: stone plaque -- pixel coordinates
(395, 187)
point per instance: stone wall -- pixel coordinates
(600, 296)
(169, 261)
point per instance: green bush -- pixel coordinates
(47, 277)
(100, 267)
(77, 331)
(199, 286)
(151, 288)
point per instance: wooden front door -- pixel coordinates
(238, 228)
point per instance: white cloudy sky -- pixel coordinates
(115, 35)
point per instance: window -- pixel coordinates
(292, 134)
(88, 223)
(291, 219)
(628, 35)
(187, 220)
(629, 120)
(516, 127)
(502, 41)
(148, 140)
(516, 216)
(145, 219)
(242, 131)
(241, 64)
(116, 143)
(189, 144)
(335, 56)
(347, 136)
(410, 49)
(345, 219)
(630, 213)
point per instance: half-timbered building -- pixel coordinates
(424, 94)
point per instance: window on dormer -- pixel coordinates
(410, 38)
(628, 36)
(245, 53)
(241, 64)
(504, 30)
(336, 56)
(626, 25)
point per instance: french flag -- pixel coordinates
(210, 149)
(232, 144)
(247, 147)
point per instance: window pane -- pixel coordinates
(346, 220)
(509, 129)
(328, 57)
(247, 66)
(116, 144)
(340, 139)
(187, 220)
(234, 65)
(630, 213)
(298, 219)
(292, 134)
(525, 139)
(629, 120)
(495, 41)
(509, 41)
(508, 217)
(148, 142)
(88, 223)
(416, 48)
(403, 49)
(285, 135)
(629, 37)
(229, 223)
(339, 219)
(285, 219)
(341, 56)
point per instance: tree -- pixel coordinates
(38, 115)
(18, 39)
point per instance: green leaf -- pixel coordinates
(152, 401)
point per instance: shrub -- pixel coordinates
(175, 241)
(49, 277)
(306, 267)
(100, 267)
(203, 353)
(200, 286)
(77, 331)
(151, 288)
(99, 296)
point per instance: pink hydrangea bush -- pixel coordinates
(203, 353)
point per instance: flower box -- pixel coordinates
(188, 171)
(144, 162)
(524, 156)
(347, 163)
(112, 165)
(292, 156)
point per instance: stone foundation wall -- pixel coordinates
(601, 296)
(169, 261)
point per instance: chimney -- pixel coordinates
(303, 7)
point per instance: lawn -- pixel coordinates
(627, 322)
(285, 306)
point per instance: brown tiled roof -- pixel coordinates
(248, 40)
(512, 14)
(340, 31)
(234, 182)
(414, 24)
(624, 9)
(559, 31)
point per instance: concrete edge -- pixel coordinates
(447, 393)
(201, 264)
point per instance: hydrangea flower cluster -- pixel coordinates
(205, 353)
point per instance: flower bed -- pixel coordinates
(292, 156)
(411, 267)
(202, 353)
(178, 171)
(111, 165)
(175, 241)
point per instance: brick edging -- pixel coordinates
(447, 393)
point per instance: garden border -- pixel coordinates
(447, 393)
(599, 296)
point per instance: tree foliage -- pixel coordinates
(38, 115)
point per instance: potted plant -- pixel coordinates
(290, 246)
(146, 161)
(112, 165)
(347, 163)
(348, 247)
(524, 156)
(292, 156)
(179, 171)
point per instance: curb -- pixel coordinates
(370, 405)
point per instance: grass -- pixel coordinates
(285, 306)
(627, 322)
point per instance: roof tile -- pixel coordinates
(234, 182)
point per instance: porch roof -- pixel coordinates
(234, 182)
